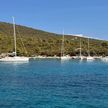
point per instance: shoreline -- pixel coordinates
(58, 57)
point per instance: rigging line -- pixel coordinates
(22, 41)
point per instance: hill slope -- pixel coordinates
(38, 42)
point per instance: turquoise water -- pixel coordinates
(52, 84)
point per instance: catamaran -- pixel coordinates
(15, 58)
(63, 56)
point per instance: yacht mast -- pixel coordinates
(62, 45)
(88, 47)
(14, 34)
(80, 48)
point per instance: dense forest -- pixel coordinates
(32, 42)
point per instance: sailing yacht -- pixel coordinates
(80, 56)
(89, 58)
(15, 58)
(104, 59)
(63, 56)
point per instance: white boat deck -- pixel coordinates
(14, 59)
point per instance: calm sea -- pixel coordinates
(49, 83)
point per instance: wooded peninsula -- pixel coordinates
(34, 42)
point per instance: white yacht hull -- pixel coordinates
(90, 58)
(14, 59)
(65, 58)
(104, 59)
(82, 58)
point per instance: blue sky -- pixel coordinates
(88, 17)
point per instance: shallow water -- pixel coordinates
(54, 84)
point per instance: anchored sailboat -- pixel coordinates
(89, 57)
(63, 56)
(15, 58)
(80, 56)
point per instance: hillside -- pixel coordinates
(38, 42)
